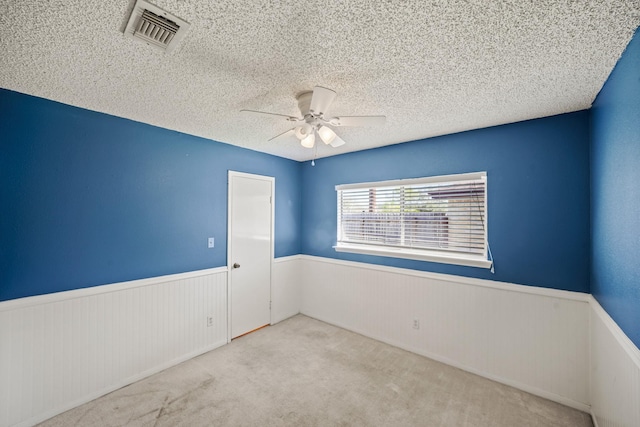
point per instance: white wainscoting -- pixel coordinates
(285, 288)
(615, 373)
(60, 350)
(534, 339)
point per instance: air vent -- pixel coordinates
(155, 26)
(155, 29)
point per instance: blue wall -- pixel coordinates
(538, 196)
(90, 199)
(615, 184)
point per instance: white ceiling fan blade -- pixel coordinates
(284, 134)
(290, 118)
(358, 120)
(321, 100)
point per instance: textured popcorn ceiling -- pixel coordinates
(432, 67)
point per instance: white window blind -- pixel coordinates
(446, 214)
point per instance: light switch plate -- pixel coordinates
(211, 243)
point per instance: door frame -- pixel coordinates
(272, 180)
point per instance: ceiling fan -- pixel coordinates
(313, 106)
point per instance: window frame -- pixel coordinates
(422, 254)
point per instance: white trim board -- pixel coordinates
(623, 340)
(102, 289)
(512, 287)
(409, 253)
(288, 258)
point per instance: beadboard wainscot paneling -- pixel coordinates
(615, 373)
(535, 339)
(60, 350)
(285, 288)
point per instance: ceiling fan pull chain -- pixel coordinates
(315, 155)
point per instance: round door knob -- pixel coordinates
(236, 265)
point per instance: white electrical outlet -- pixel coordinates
(416, 324)
(210, 242)
(209, 321)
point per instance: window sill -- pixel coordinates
(424, 255)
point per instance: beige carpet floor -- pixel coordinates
(303, 372)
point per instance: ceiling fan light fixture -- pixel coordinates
(309, 141)
(313, 106)
(326, 134)
(303, 131)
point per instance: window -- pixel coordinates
(440, 219)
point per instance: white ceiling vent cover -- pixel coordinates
(155, 27)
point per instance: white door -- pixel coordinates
(250, 251)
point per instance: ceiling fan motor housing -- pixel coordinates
(304, 102)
